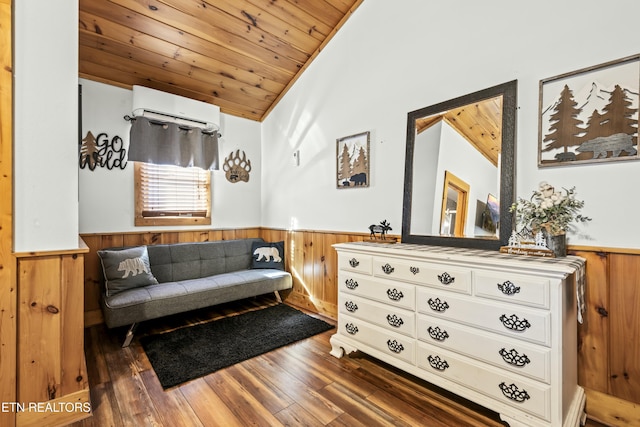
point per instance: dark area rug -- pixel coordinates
(191, 352)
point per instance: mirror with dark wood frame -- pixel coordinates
(460, 170)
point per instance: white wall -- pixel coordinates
(386, 61)
(46, 125)
(391, 58)
(106, 196)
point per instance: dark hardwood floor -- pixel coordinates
(297, 385)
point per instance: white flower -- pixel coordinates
(547, 190)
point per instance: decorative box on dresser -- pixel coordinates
(497, 329)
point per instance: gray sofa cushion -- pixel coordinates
(175, 297)
(184, 261)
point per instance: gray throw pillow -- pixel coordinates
(126, 269)
(267, 255)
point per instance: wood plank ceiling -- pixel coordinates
(242, 55)
(479, 123)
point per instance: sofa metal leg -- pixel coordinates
(278, 296)
(129, 336)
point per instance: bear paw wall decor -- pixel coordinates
(237, 167)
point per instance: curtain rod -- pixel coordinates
(140, 112)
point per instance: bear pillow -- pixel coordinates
(268, 255)
(125, 269)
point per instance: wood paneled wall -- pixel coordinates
(51, 368)
(8, 265)
(609, 338)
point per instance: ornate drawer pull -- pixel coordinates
(437, 334)
(414, 270)
(394, 320)
(351, 284)
(387, 269)
(395, 294)
(354, 263)
(395, 346)
(514, 323)
(437, 305)
(508, 288)
(351, 328)
(351, 306)
(446, 279)
(512, 357)
(513, 392)
(436, 363)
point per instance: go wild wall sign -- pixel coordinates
(590, 115)
(100, 151)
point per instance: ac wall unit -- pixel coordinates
(150, 102)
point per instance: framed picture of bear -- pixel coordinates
(590, 115)
(352, 161)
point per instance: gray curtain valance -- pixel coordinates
(165, 143)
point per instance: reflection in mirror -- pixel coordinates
(459, 170)
(453, 212)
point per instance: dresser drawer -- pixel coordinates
(437, 275)
(506, 319)
(525, 359)
(527, 395)
(355, 262)
(390, 343)
(525, 290)
(389, 317)
(396, 294)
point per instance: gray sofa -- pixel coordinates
(183, 277)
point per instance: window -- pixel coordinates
(171, 195)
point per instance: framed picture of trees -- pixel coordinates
(590, 115)
(352, 154)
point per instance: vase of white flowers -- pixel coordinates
(550, 212)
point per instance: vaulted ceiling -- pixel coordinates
(241, 55)
(479, 123)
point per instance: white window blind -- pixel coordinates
(173, 191)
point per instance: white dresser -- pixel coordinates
(497, 329)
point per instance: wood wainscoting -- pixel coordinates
(52, 384)
(609, 338)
